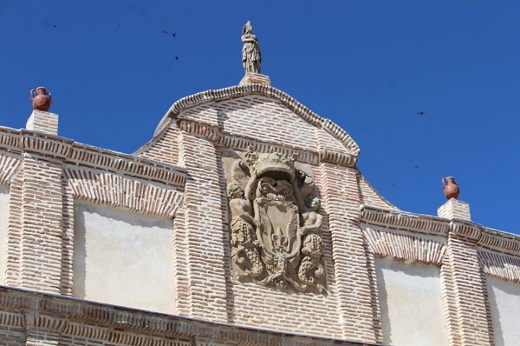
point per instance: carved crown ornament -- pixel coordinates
(275, 224)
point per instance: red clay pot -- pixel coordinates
(451, 189)
(43, 99)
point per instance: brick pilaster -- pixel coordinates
(204, 229)
(467, 291)
(41, 236)
(340, 194)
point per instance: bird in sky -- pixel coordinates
(165, 32)
(54, 26)
(420, 113)
(177, 58)
(174, 34)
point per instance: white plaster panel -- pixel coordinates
(123, 258)
(411, 304)
(4, 215)
(504, 303)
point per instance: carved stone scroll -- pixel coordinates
(275, 226)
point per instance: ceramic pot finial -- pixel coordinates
(41, 99)
(451, 189)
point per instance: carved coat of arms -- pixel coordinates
(275, 225)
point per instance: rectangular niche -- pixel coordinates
(410, 301)
(123, 258)
(4, 216)
(504, 303)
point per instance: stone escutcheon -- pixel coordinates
(275, 224)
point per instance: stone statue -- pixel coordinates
(251, 56)
(311, 219)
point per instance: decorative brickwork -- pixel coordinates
(14, 231)
(181, 270)
(402, 220)
(499, 241)
(404, 247)
(75, 322)
(164, 148)
(267, 92)
(241, 144)
(340, 192)
(118, 191)
(454, 209)
(203, 206)
(41, 237)
(8, 167)
(450, 306)
(500, 265)
(45, 122)
(468, 291)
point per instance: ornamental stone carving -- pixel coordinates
(275, 224)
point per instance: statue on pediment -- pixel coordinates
(251, 56)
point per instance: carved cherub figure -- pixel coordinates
(311, 219)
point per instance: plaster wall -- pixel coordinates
(504, 302)
(4, 214)
(411, 304)
(123, 258)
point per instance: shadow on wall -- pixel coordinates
(79, 256)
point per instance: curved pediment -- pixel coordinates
(261, 105)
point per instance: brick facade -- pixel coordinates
(181, 175)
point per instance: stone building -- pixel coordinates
(243, 221)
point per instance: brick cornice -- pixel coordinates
(86, 319)
(8, 167)
(484, 237)
(264, 90)
(466, 229)
(403, 220)
(501, 241)
(228, 140)
(500, 265)
(72, 153)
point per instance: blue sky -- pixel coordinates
(370, 66)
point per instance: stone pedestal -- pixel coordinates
(41, 121)
(255, 78)
(454, 209)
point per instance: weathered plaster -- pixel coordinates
(411, 304)
(504, 302)
(123, 258)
